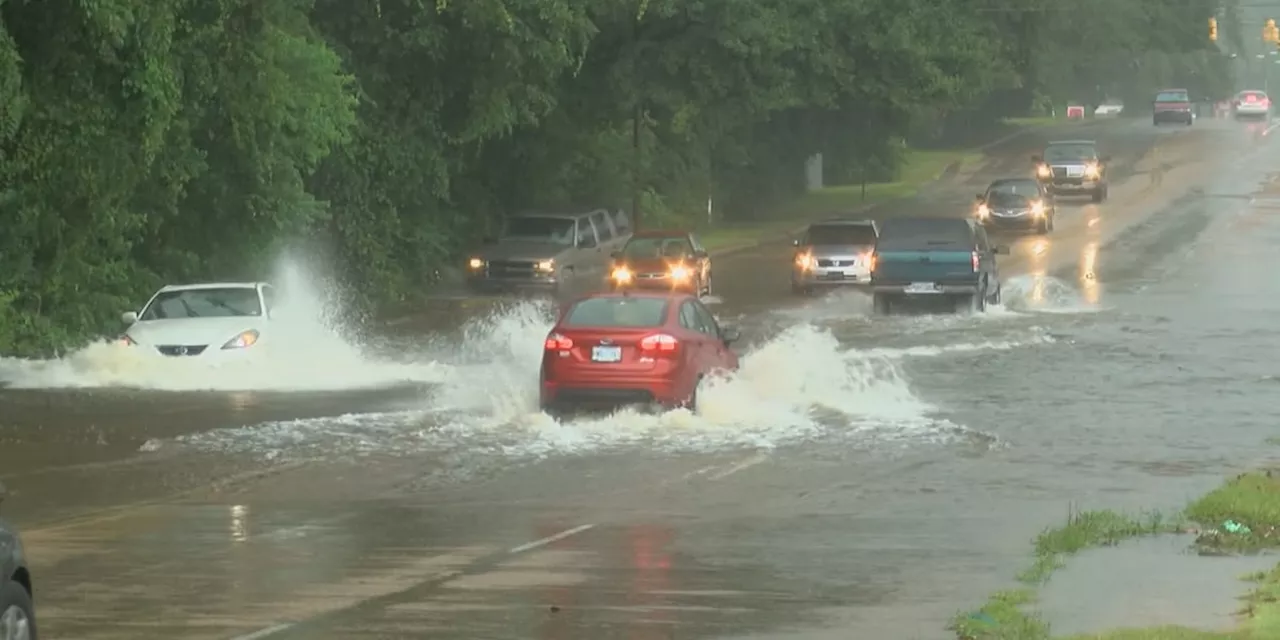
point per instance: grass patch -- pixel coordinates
(918, 169)
(1242, 515)
(1003, 616)
(1086, 530)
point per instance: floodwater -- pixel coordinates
(859, 477)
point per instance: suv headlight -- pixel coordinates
(546, 266)
(476, 263)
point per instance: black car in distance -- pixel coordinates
(1022, 204)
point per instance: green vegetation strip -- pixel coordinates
(1241, 516)
(918, 169)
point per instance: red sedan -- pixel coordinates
(610, 350)
(668, 260)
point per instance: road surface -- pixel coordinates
(861, 476)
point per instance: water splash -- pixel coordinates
(310, 348)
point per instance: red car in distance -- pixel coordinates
(662, 260)
(611, 350)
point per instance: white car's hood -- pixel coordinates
(214, 332)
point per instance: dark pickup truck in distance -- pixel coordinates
(933, 258)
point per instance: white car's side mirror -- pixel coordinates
(129, 317)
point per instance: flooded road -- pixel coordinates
(861, 476)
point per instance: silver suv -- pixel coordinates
(834, 253)
(549, 252)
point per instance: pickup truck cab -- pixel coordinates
(1073, 167)
(934, 259)
(1172, 105)
(554, 253)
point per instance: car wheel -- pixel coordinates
(799, 290)
(881, 304)
(692, 403)
(17, 614)
(1099, 195)
(1052, 217)
(706, 286)
(995, 297)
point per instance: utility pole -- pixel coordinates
(636, 112)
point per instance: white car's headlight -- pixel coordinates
(244, 340)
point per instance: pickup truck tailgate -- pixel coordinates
(894, 267)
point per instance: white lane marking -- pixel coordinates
(549, 539)
(542, 542)
(745, 464)
(262, 633)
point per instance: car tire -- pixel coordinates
(1043, 227)
(1099, 194)
(799, 290)
(16, 602)
(706, 286)
(692, 403)
(881, 304)
(995, 298)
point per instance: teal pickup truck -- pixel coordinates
(934, 259)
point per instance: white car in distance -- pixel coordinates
(213, 320)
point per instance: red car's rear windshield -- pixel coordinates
(1172, 96)
(621, 311)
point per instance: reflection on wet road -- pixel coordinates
(861, 476)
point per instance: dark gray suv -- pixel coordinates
(17, 610)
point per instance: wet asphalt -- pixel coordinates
(1130, 369)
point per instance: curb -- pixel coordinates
(745, 246)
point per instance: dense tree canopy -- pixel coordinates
(144, 142)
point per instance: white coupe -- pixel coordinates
(212, 320)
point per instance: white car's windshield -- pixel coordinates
(230, 302)
(540, 229)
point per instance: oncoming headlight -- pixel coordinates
(680, 272)
(621, 275)
(1092, 171)
(805, 261)
(1044, 171)
(546, 266)
(475, 263)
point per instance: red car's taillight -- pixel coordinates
(976, 260)
(557, 342)
(659, 343)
